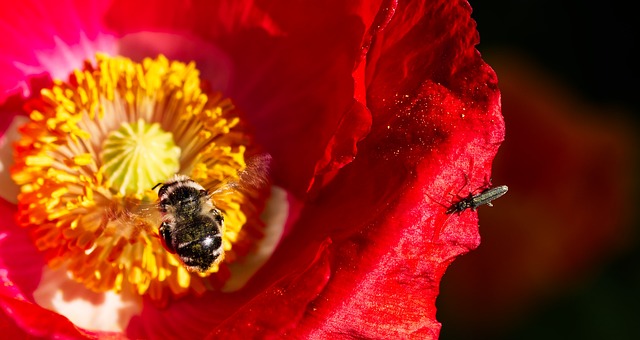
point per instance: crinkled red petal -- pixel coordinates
(436, 128)
(356, 124)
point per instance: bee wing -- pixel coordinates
(253, 177)
(256, 174)
(132, 212)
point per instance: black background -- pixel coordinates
(586, 44)
(588, 47)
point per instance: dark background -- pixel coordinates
(587, 47)
(586, 44)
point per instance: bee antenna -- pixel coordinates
(157, 185)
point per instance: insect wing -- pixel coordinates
(255, 176)
(489, 195)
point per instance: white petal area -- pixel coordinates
(275, 216)
(63, 58)
(9, 190)
(108, 311)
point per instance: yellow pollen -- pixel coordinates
(94, 148)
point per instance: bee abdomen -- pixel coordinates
(200, 255)
(199, 242)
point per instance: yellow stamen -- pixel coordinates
(94, 148)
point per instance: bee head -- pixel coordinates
(183, 201)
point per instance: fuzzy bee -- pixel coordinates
(192, 227)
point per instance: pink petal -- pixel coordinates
(47, 39)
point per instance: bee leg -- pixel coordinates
(165, 236)
(217, 215)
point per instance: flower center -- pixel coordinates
(139, 155)
(97, 145)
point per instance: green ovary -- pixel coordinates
(138, 156)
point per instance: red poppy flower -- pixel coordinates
(376, 116)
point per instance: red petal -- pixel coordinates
(436, 128)
(342, 147)
(20, 262)
(297, 86)
(292, 74)
(9, 329)
(44, 323)
(187, 317)
(293, 294)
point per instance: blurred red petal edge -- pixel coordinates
(283, 304)
(9, 329)
(40, 322)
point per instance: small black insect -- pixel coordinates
(474, 201)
